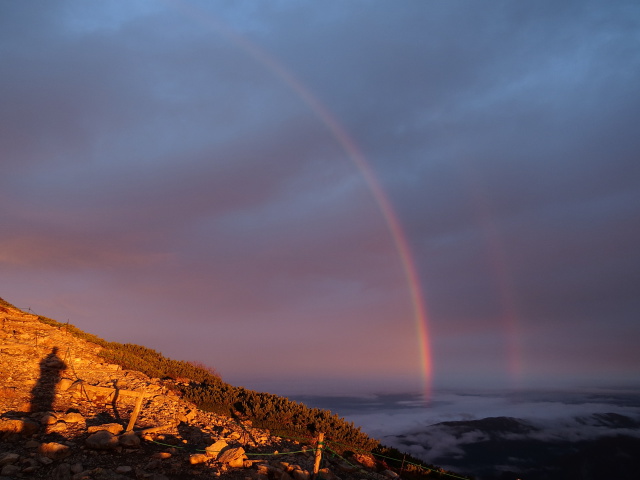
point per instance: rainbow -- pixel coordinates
(502, 278)
(348, 144)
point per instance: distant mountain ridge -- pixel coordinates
(507, 448)
(492, 425)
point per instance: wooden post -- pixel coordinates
(316, 465)
(136, 411)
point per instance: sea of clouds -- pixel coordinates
(408, 423)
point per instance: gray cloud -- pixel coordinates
(167, 153)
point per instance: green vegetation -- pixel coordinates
(74, 331)
(279, 414)
(207, 390)
(204, 387)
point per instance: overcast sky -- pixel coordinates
(192, 176)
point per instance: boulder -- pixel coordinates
(234, 457)
(299, 474)
(197, 458)
(327, 474)
(214, 450)
(48, 418)
(366, 461)
(54, 450)
(64, 384)
(114, 428)
(188, 416)
(24, 426)
(62, 472)
(346, 467)
(102, 440)
(129, 440)
(57, 427)
(285, 476)
(73, 417)
(44, 460)
(10, 470)
(8, 459)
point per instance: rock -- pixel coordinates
(73, 417)
(8, 459)
(48, 418)
(44, 460)
(365, 460)
(62, 472)
(23, 426)
(54, 451)
(214, 450)
(84, 475)
(114, 428)
(263, 469)
(124, 469)
(197, 458)
(77, 468)
(187, 417)
(102, 440)
(327, 474)
(31, 444)
(389, 474)
(158, 476)
(298, 474)
(129, 440)
(345, 467)
(57, 427)
(10, 470)
(234, 457)
(64, 384)
(153, 464)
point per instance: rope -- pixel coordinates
(422, 467)
(334, 453)
(428, 470)
(218, 451)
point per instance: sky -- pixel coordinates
(276, 189)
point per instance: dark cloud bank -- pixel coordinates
(164, 182)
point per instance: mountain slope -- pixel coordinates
(63, 409)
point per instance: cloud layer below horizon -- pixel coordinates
(547, 421)
(165, 181)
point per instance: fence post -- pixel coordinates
(136, 411)
(316, 465)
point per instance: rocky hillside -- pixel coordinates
(67, 414)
